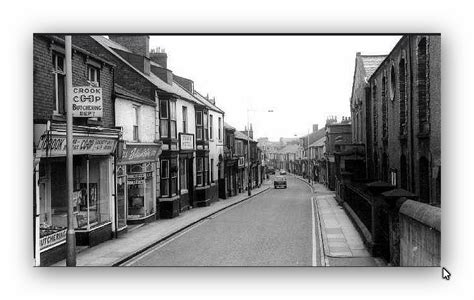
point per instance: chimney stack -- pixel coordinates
(315, 127)
(160, 57)
(138, 44)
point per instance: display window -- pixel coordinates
(91, 196)
(140, 189)
(121, 196)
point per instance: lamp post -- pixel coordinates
(249, 181)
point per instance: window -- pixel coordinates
(135, 122)
(199, 125)
(93, 75)
(422, 87)
(384, 107)
(206, 126)
(212, 170)
(59, 73)
(165, 187)
(219, 133)
(211, 127)
(392, 83)
(185, 119)
(375, 114)
(403, 99)
(206, 171)
(164, 118)
(199, 171)
(173, 130)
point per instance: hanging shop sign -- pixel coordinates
(132, 154)
(55, 145)
(87, 102)
(52, 239)
(186, 141)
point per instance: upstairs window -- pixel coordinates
(59, 73)
(375, 112)
(199, 127)
(164, 115)
(211, 127)
(403, 97)
(173, 130)
(93, 76)
(136, 112)
(384, 107)
(206, 126)
(219, 133)
(185, 119)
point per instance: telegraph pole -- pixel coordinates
(70, 236)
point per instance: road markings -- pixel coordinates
(313, 234)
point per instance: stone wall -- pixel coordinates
(420, 234)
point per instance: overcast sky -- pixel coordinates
(302, 78)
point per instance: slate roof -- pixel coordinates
(227, 126)
(371, 63)
(207, 102)
(172, 89)
(241, 136)
(129, 95)
(319, 143)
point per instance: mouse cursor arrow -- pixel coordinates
(445, 274)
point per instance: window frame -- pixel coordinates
(211, 127)
(165, 178)
(91, 70)
(135, 123)
(59, 73)
(185, 119)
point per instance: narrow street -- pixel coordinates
(274, 228)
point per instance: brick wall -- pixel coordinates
(44, 86)
(411, 146)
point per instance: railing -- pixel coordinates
(360, 203)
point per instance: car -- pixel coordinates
(282, 172)
(271, 171)
(280, 181)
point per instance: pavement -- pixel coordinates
(116, 251)
(271, 229)
(342, 243)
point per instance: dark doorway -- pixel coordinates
(424, 180)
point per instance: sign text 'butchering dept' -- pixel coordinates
(87, 102)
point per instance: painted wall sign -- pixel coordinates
(52, 239)
(139, 153)
(186, 141)
(55, 146)
(87, 102)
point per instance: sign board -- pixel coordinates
(87, 102)
(186, 141)
(55, 145)
(241, 162)
(133, 154)
(53, 239)
(139, 178)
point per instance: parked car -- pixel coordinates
(282, 172)
(280, 181)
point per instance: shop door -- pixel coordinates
(190, 173)
(121, 199)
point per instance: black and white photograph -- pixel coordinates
(237, 150)
(149, 151)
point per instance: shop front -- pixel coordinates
(136, 183)
(93, 189)
(186, 173)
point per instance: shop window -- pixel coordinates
(185, 119)
(211, 127)
(59, 73)
(165, 182)
(403, 99)
(93, 76)
(140, 190)
(422, 86)
(206, 170)
(199, 171)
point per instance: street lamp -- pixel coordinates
(249, 181)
